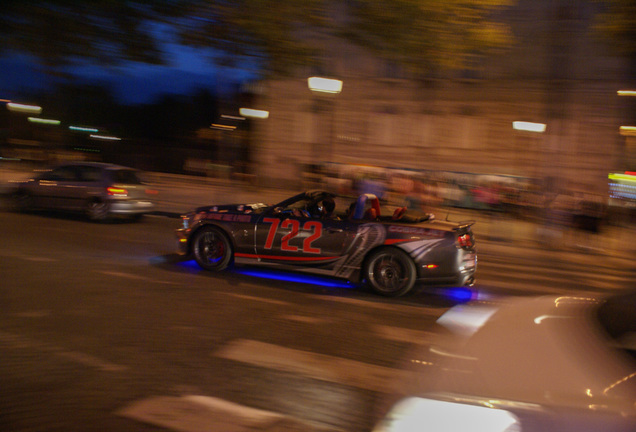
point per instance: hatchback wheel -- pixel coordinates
(22, 201)
(97, 210)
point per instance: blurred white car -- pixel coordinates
(564, 364)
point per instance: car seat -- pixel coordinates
(371, 214)
(399, 213)
(360, 210)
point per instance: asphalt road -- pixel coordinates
(102, 327)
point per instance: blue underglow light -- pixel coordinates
(190, 265)
(297, 278)
(459, 294)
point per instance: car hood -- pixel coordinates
(546, 352)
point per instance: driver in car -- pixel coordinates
(323, 209)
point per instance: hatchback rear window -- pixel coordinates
(89, 173)
(125, 176)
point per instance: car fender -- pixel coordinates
(206, 223)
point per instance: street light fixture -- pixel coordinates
(44, 121)
(253, 113)
(324, 85)
(529, 126)
(83, 129)
(105, 137)
(628, 130)
(22, 108)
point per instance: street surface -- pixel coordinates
(102, 327)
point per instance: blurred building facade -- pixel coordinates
(558, 73)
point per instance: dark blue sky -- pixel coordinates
(132, 84)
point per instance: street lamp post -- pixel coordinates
(628, 131)
(324, 88)
(525, 130)
(258, 115)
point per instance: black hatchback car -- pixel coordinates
(99, 190)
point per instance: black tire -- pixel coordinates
(22, 202)
(390, 272)
(98, 210)
(137, 217)
(212, 249)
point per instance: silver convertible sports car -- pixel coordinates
(391, 249)
(546, 364)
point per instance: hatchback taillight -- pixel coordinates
(465, 241)
(115, 191)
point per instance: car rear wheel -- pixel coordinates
(22, 201)
(390, 272)
(137, 217)
(97, 210)
(212, 249)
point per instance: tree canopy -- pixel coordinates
(60, 32)
(424, 35)
(427, 35)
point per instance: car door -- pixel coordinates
(90, 184)
(52, 189)
(302, 241)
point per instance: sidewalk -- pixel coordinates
(178, 194)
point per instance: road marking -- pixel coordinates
(400, 334)
(91, 361)
(313, 365)
(38, 259)
(530, 288)
(260, 299)
(195, 413)
(557, 275)
(135, 277)
(16, 341)
(307, 319)
(579, 274)
(32, 258)
(384, 306)
(33, 314)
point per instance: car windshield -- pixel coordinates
(126, 176)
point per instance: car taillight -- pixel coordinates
(115, 191)
(465, 241)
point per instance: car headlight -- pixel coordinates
(416, 414)
(189, 219)
(185, 220)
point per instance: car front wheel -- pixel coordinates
(390, 272)
(212, 249)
